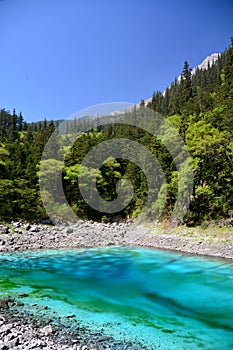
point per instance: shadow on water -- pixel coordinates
(149, 293)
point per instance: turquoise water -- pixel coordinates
(164, 300)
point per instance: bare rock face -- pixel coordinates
(208, 61)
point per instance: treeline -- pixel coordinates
(21, 147)
(199, 105)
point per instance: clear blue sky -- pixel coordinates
(60, 56)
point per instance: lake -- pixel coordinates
(162, 299)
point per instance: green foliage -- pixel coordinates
(198, 106)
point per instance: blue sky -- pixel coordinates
(60, 56)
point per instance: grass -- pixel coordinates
(211, 233)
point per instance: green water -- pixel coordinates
(164, 300)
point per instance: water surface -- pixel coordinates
(155, 297)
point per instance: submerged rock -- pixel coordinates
(4, 303)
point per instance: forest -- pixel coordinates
(199, 106)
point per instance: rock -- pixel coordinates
(46, 222)
(34, 228)
(16, 224)
(19, 303)
(4, 303)
(12, 343)
(2, 242)
(104, 338)
(23, 295)
(2, 319)
(18, 230)
(4, 347)
(46, 331)
(6, 329)
(4, 229)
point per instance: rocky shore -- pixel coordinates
(20, 330)
(84, 234)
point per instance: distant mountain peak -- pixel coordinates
(209, 60)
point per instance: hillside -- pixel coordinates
(200, 107)
(205, 64)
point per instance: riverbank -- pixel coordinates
(212, 241)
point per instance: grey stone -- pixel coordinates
(34, 228)
(46, 331)
(12, 343)
(4, 229)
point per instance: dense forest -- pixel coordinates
(199, 105)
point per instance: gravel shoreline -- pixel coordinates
(86, 234)
(20, 330)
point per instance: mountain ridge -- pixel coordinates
(207, 62)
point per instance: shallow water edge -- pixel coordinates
(87, 234)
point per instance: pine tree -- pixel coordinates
(20, 122)
(186, 83)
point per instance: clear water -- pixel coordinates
(164, 300)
